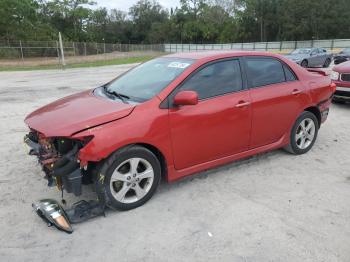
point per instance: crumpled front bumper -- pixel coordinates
(63, 171)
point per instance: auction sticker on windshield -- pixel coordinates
(178, 65)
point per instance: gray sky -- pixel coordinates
(125, 4)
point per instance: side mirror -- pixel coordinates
(184, 98)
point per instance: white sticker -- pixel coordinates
(178, 65)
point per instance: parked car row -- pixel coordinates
(311, 57)
(342, 56)
(317, 57)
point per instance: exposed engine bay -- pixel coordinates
(58, 158)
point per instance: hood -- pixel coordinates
(343, 68)
(74, 113)
(296, 57)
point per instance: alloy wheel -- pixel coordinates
(132, 180)
(305, 133)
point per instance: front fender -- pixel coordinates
(151, 128)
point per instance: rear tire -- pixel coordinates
(327, 62)
(303, 134)
(128, 178)
(304, 63)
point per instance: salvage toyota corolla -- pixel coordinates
(174, 116)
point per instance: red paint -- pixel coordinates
(192, 137)
(186, 98)
(74, 113)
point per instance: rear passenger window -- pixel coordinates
(289, 74)
(263, 71)
(215, 79)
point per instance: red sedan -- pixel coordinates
(341, 77)
(174, 116)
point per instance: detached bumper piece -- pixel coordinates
(54, 214)
(61, 167)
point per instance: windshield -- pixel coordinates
(148, 79)
(301, 51)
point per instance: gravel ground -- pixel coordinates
(271, 207)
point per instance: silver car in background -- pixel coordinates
(311, 57)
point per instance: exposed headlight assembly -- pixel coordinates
(52, 213)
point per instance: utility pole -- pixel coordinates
(61, 47)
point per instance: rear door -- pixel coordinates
(322, 53)
(314, 59)
(277, 97)
(220, 124)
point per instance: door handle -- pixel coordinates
(242, 104)
(296, 92)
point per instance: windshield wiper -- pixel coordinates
(122, 97)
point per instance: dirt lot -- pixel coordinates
(273, 207)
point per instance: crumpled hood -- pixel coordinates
(297, 57)
(74, 113)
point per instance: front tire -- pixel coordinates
(303, 134)
(128, 178)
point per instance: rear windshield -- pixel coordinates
(148, 79)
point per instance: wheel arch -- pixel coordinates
(156, 151)
(316, 112)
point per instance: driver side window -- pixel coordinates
(215, 79)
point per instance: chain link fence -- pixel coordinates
(10, 49)
(333, 45)
(43, 53)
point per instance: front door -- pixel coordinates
(219, 125)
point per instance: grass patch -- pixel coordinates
(117, 61)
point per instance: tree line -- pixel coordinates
(193, 21)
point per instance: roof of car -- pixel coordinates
(217, 54)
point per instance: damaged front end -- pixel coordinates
(58, 158)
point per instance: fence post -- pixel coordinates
(242, 46)
(254, 46)
(73, 48)
(85, 48)
(295, 44)
(281, 43)
(266, 46)
(332, 44)
(58, 52)
(96, 48)
(61, 46)
(104, 47)
(20, 43)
